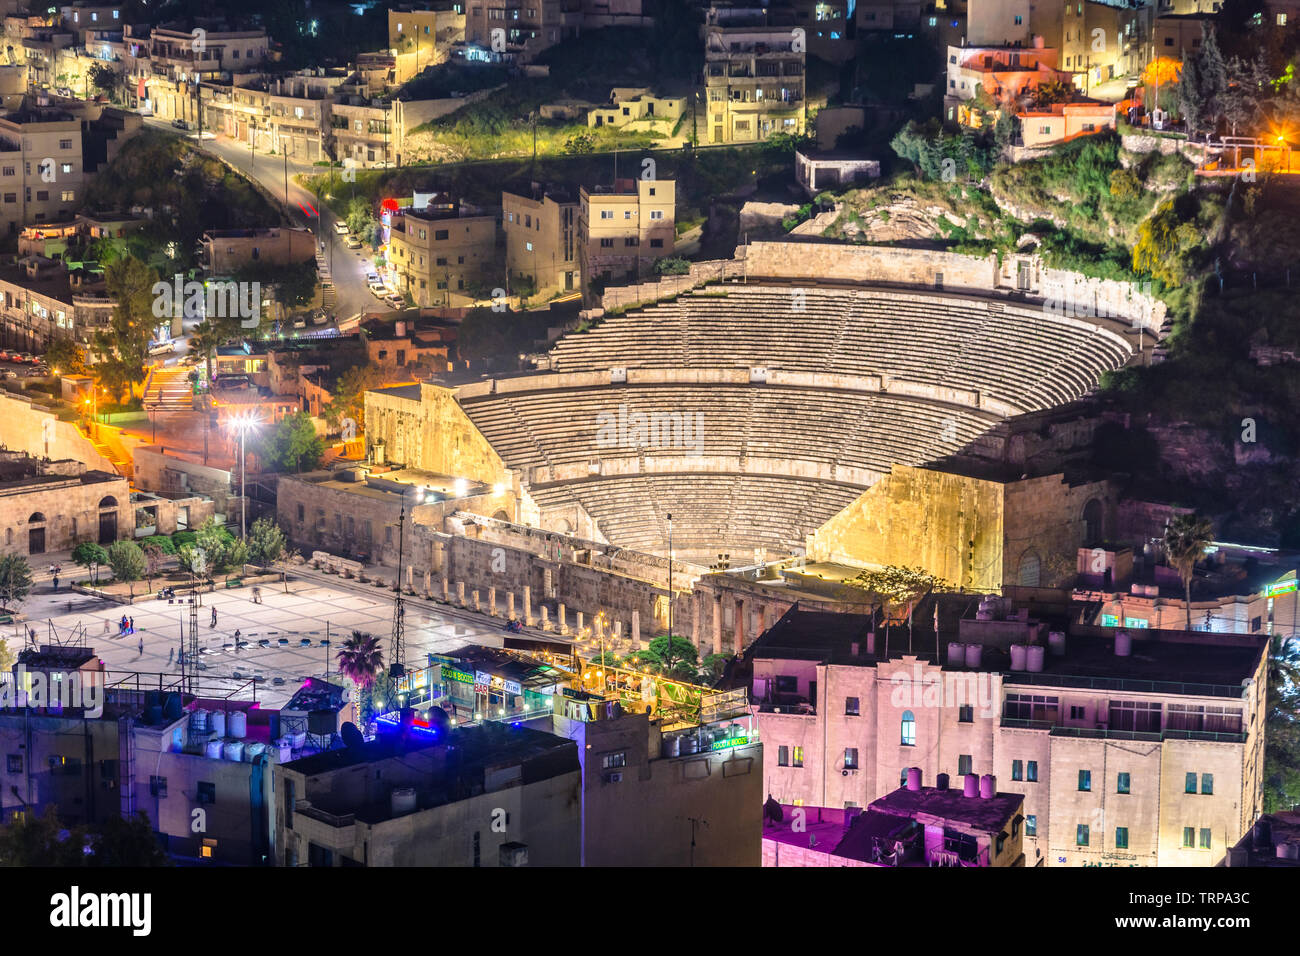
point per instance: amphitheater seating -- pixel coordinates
(1025, 357)
(733, 500)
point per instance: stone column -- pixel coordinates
(697, 611)
(477, 606)
(410, 578)
(510, 605)
(546, 624)
(618, 630)
(445, 595)
(528, 605)
(580, 622)
(492, 601)
(460, 593)
(563, 620)
(428, 584)
(717, 626)
(636, 630)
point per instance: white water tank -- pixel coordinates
(1017, 657)
(285, 746)
(983, 614)
(988, 786)
(199, 721)
(970, 785)
(956, 653)
(672, 746)
(238, 724)
(403, 800)
(1034, 658)
(219, 723)
(400, 329)
(213, 750)
(300, 740)
(1123, 644)
(254, 750)
(974, 652)
(1288, 851)
(234, 750)
(1056, 643)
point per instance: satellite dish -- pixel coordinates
(351, 735)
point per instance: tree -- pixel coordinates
(360, 218)
(348, 399)
(194, 562)
(1185, 539)
(292, 444)
(29, 840)
(898, 588)
(90, 556)
(125, 343)
(153, 559)
(266, 541)
(66, 357)
(217, 544)
(103, 78)
(1282, 725)
(7, 658)
(677, 657)
(15, 580)
(361, 659)
(127, 561)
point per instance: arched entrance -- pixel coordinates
(107, 519)
(36, 533)
(1093, 532)
(1031, 569)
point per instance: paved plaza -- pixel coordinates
(292, 624)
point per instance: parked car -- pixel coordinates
(24, 357)
(33, 373)
(180, 124)
(10, 373)
(395, 301)
(378, 289)
(300, 322)
(319, 317)
(352, 242)
(340, 227)
(4, 355)
(372, 277)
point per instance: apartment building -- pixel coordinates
(41, 301)
(915, 826)
(423, 34)
(993, 76)
(1103, 47)
(888, 14)
(41, 170)
(753, 76)
(514, 29)
(363, 131)
(486, 795)
(623, 229)
(1131, 747)
(225, 251)
(541, 230)
(165, 64)
(443, 253)
(82, 17)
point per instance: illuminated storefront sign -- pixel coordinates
(729, 743)
(455, 674)
(1281, 587)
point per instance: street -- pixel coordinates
(347, 267)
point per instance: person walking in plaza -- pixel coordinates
(141, 646)
(214, 618)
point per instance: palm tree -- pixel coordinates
(360, 660)
(1186, 538)
(204, 341)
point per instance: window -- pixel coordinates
(607, 214)
(798, 756)
(1189, 838)
(1031, 706)
(158, 786)
(909, 729)
(1001, 842)
(1031, 771)
(207, 793)
(42, 195)
(65, 144)
(440, 234)
(1081, 835)
(614, 761)
(783, 756)
(68, 195)
(9, 171)
(1017, 770)
(656, 213)
(1189, 785)
(1078, 713)
(1031, 825)
(627, 214)
(1020, 21)
(528, 246)
(1121, 838)
(1085, 780)
(964, 762)
(1122, 783)
(1135, 715)
(440, 261)
(65, 167)
(14, 763)
(607, 243)
(966, 714)
(851, 706)
(630, 241)
(656, 243)
(850, 758)
(1205, 838)
(1207, 783)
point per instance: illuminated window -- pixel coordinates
(614, 761)
(909, 729)
(798, 756)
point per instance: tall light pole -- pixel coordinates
(243, 423)
(670, 585)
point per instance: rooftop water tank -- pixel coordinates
(689, 744)
(300, 740)
(213, 749)
(941, 782)
(219, 723)
(672, 746)
(238, 724)
(1056, 643)
(970, 785)
(1035, 657)
(199, 721)
(988, 786)
(1017, 657)
(233, 750)
(403, 800)
(956, 653)
(1123, 644)
(974, 653)
(253, 750)
(1288, 851)
(914, 778)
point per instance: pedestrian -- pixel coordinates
(214, 618)
(171, 652)
(132, 622)
(56, 580)
(141, 646)
(106, 627)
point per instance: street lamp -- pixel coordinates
(243, 423)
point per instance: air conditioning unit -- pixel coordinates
(614, 778)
